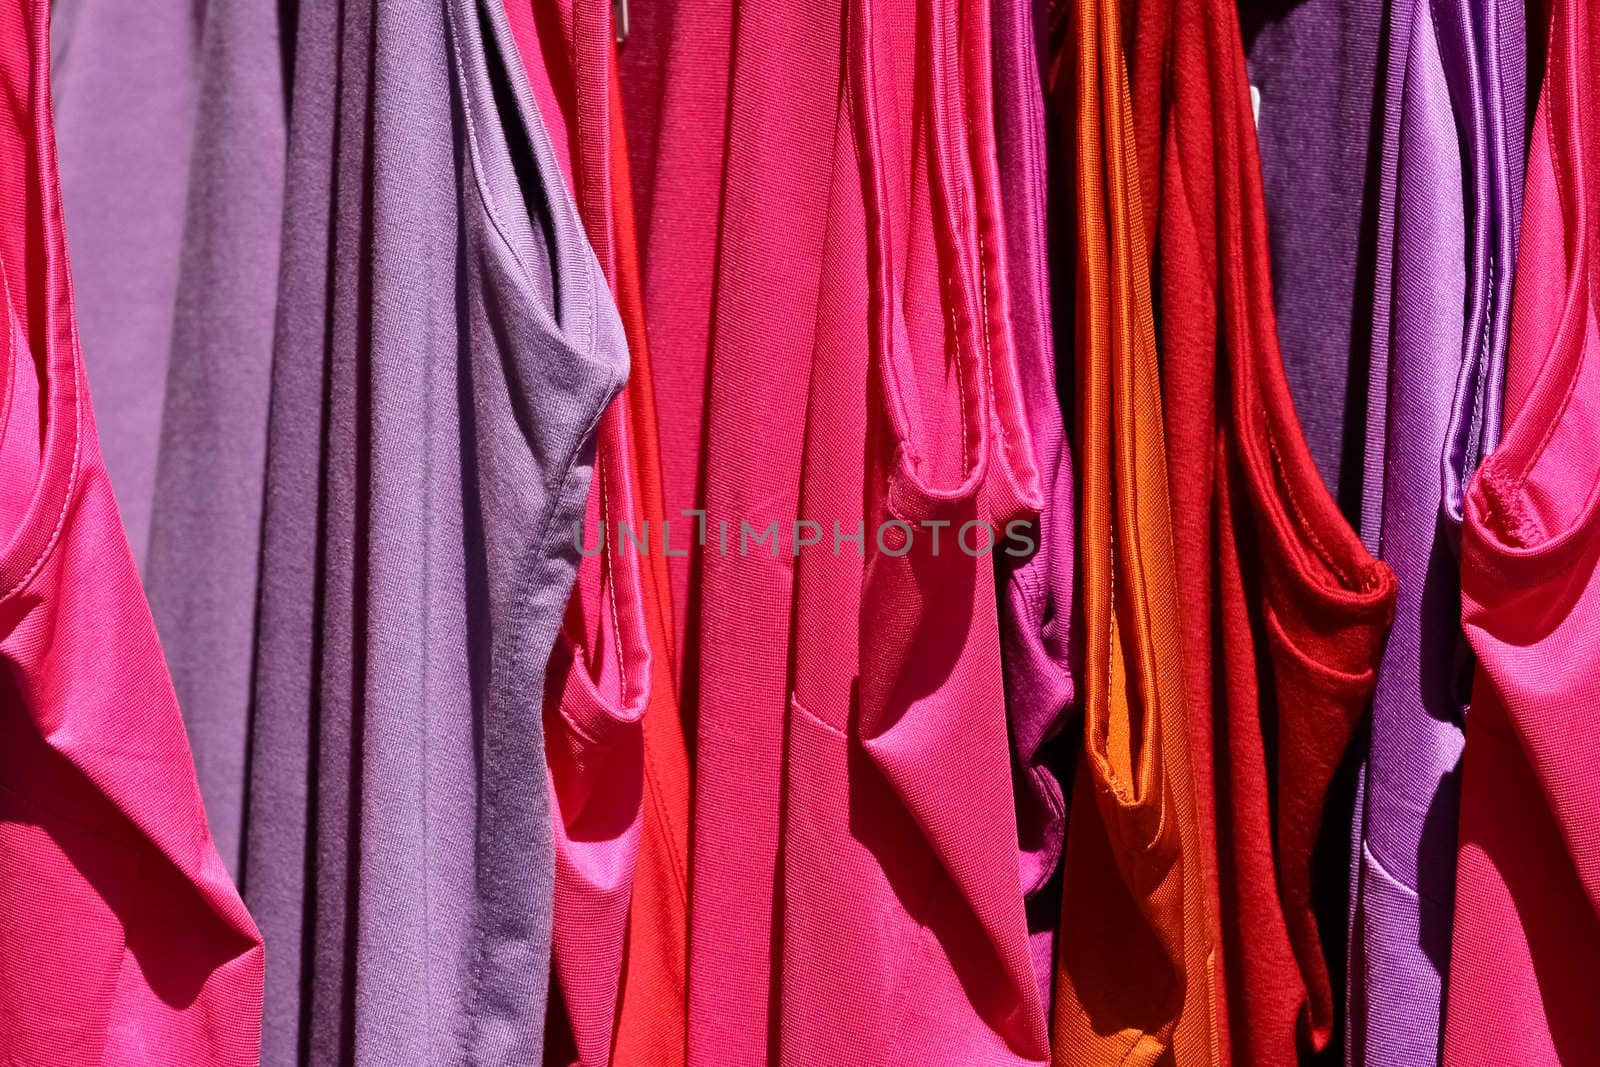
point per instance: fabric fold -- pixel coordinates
(1527, 907)
(1135, 979)
(445, 349)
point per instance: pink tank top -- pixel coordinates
(122, 938)
(1527, 917)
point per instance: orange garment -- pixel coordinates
(1135, 959)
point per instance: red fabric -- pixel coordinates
(122, 939)
(1285, 612)
(1527, 909)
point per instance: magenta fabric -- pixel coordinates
(902, 918)
(1036, 613)
(1527, 916)
(737, 163)
(122, 939)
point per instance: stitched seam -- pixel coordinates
(794, 701)
(490, 204)
(1520, 482)
(1300, 513)
(961, 374)
(72, 476)
(658, 802)
(985, 336)
(1481, 375)
(1389, 876)
(936, 162)
(610, 579)
(491, 809)
(1486, 324)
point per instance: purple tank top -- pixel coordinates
(1454, 114)
(1036, 607)
(445, 346)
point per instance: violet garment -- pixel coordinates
(202, 562)
(195, 481)
(1451, 198)
(1036, 608)
(125, 86)
(1313, 66)
(445, 347)
(175, 205)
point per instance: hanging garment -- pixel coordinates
(445, 349)
(1317, 115)
(903, 932)
(1300, 607)
(678, 98)
(652, 1020)
(1036, 617)
(1527, 931)
(122, 939)
(201, 567)
(1135, 979)
(126, 90)
(203, 561)
(612, 664)
(734, 208)
(1451, 194)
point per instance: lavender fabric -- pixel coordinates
(205, 524)
(445, 345)
(125, 93)
(1036, 611)
(1452, 176)
(175, 202)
